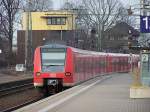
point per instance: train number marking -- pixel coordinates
(144, 57)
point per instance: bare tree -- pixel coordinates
(124, 17)
(2, 22)
(42, 5)
(68, 5)
(38, 5)
(82, 20)
(98, 14)
(102, 14)
(35, 5)
(8, 11)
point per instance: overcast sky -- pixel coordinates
(126, 3)
(58, 3)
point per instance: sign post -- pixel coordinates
(145, 24)
(141, 87)
(145, 68)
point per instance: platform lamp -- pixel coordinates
(130, 12)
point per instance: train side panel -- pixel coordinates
(69, 69)
(38, 81)
(87, 66)
(78, 63)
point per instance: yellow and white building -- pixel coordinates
(52, 20)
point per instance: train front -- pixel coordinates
(50, 67)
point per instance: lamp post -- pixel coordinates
(28, 37)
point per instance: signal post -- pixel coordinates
(140, 87)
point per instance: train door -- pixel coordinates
(78, 69)
(126, 64)
(76, 62)
(88, 68)
(121, 64)
(109, 67)
(82, 68)
(97, 66)
(102, 65)
(113, 64)
(94, 66)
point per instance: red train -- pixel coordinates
(58, 66)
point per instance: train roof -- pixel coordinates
(118, 54)
(85, 51)
(54, 46)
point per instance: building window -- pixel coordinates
(63, 21)
(56, 21)
(49, 21)
(125, 38)
(111, 38)
(119, 38)
(53, 21)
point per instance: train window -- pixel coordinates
(53, 59)
(78, 65)
(102, 62)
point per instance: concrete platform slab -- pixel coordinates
(112, 95)
(140, 92)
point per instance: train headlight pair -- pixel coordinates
(38, 74)
(68, 74)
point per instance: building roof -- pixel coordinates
(122, 29)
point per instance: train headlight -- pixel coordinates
(38, 74)
(68, 74)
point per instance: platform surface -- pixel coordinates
(8, 76)
(100, 95)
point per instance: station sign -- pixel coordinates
(145, 68)
(145, 57)
(145, 24)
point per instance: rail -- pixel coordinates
(21, 105)
(14, 89)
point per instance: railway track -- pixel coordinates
(16, 86)
(20, 105)
(15, 83)
(15, 89)
(17, 94)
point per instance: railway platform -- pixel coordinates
(102, 94)
(7, 76)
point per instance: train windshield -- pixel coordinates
(53, 59)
